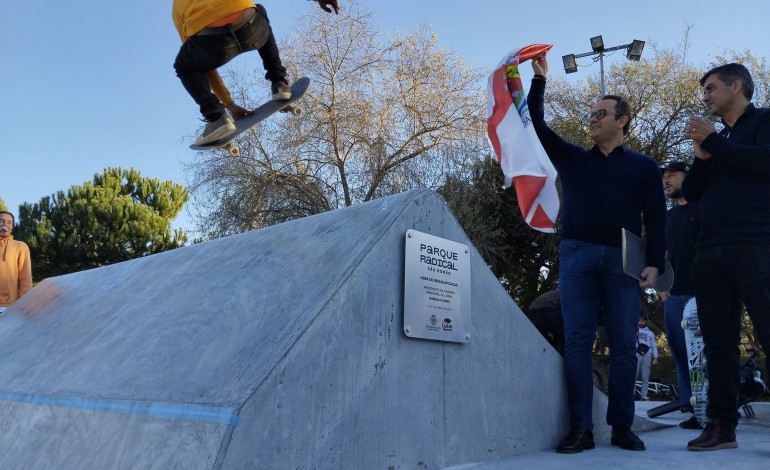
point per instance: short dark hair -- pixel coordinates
(622, 108)
(13, 219)
(729, 73)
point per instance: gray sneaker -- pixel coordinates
(216, 130)
(281, 90)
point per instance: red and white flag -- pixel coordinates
(519, 151)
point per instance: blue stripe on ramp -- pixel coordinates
(182, 411)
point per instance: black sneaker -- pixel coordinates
(281, 90)
(691, 423)
(625, 438)
(577, 440)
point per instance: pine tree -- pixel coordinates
(118, 216)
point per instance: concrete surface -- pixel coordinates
(278, 348)
(666, 449)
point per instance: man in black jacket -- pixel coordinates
(730, 177)
(605, 189)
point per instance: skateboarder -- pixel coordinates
(213, 32)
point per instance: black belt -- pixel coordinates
(247, 17)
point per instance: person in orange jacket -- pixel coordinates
(15, 264)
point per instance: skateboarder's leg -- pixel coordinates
(258, 35)
(198, 55)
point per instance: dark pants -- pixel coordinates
(589, 276)
(206, 52)
(725, 276)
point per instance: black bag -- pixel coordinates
(642, 349)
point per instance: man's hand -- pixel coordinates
(697, 129)
(664, 295)
(325, 4)
(649, 277)
(237, 112)
(540, 65)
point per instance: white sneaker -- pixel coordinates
(216, 130)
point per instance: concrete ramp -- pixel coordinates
(281, 348)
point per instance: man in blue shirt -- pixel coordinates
(604, 189)
(730, 177)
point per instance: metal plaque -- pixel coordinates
(437, 288)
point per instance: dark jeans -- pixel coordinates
(589, 276)
(673, 308)
(204, 53)
(724, 276)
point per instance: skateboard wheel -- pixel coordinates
(693, 401)
(233, 151)
(684, 324)
(295, 110)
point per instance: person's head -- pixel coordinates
(610, 119)
(6, 223)
(673, 175)
(727, 88)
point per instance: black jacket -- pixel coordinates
(733, 186)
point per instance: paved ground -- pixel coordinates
(666, 449)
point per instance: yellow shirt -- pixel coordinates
(190, 16)
(15, 270)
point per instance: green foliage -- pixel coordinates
(118, 216)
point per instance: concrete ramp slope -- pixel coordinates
(278, 348)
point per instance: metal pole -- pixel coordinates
(601, 70)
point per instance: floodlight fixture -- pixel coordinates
(635, 50)
(570, 64)
(597, 43)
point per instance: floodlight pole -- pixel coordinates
(600, 52)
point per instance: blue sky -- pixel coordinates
(88, 84)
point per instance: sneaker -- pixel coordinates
(645, 398)
(717, 435)
(625, 438)
(216, 130)
(691, 423)
(281, 90)
(577, 440)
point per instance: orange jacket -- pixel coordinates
(15, 270)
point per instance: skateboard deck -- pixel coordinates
(696, 360)
(635, 260)
(261, 113)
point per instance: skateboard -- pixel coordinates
(696, 360)
(635, 260)
(261, 113)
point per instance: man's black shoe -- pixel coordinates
(577, 440)
(717, 435)
(691, 423)
(625, 438)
